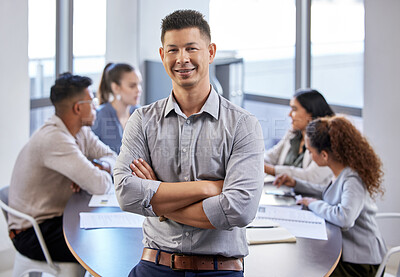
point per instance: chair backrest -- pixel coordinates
(4, 199)
(392, 250)
(7, 209)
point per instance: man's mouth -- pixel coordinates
(184, 70)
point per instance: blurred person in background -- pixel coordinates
(290, 155)
(119, 95)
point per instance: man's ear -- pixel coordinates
(161, 51)
(212, 50)
(76, 108)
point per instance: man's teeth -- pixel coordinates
(184, 70)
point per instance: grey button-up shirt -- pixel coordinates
(222, 141)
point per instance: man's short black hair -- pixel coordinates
(182, 19)
(68, 86)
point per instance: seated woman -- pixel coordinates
(348, 200)
(290, 155)
(119, 93)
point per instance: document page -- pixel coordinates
(300, 223)
(110, 220)
(261, 235)
(103, 200)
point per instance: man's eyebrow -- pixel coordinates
(187, 44)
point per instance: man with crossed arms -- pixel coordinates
(207, 157)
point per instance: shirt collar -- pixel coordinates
(60, 124)
(211, 106)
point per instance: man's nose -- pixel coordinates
(183, 57)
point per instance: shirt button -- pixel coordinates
(186, 178)
(188, 121)
(187, 234)
(184, 150)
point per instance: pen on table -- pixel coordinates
(262, 226)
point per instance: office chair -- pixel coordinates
(24, 265)
(392, 250)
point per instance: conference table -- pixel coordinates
(112, 252)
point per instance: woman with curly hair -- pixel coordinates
(348, 200)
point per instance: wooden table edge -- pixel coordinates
(335, 264)
(81, 262)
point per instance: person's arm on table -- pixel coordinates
(348, 210)
(102, 165)
(66, 158)
(97, 150)
(269, 169)
(300, 186)
(313, 173)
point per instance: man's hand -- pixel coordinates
(284, 179)
(141, 169)
(75, 188)
(269, 169)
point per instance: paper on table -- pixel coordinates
(269, 178)
(257, 223)
(103, 200)
(300, 223)
(269, 235)
(110, 220)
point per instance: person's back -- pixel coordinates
(56, 161)
(349, 200)
(36, 174)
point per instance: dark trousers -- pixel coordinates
(344, 269)
(149, 269)
(28, 245)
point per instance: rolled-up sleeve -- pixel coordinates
(134, 194)
(237, 205)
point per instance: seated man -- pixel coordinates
(56, 161)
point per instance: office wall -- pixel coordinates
(133, 29)
(382, 92)
(14, 83)
(122, 31)
(14, 104)
(150, 15)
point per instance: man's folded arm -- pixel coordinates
(237, 205)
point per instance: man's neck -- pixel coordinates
(191, 100)
(72, 126)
